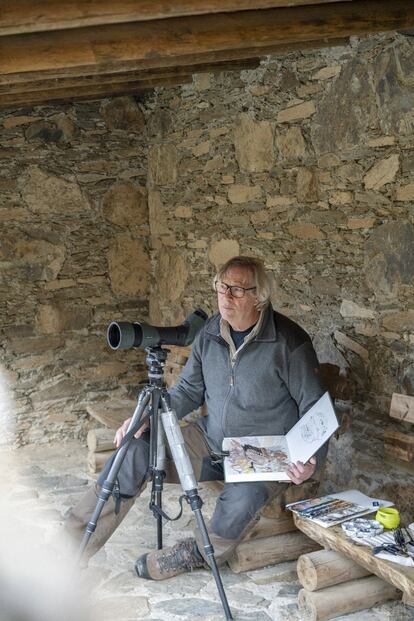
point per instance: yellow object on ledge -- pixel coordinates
(389, 517)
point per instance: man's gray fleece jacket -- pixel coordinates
(262, 389)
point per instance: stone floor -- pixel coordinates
(37, 581)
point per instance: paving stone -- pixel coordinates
(242, 598)
(56, 482)
(290, 589)
(24, 494)
(254, 616)
(272, 576)
(186, 584)
(190, 607)
(78, 489)
(92, 577)
(289, 611)
(30, 471)
(45, 515)
(121, 608)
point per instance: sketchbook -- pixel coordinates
(267, 458)
(337, 508)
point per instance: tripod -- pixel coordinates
(154, 405)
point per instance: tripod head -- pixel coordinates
(156, 357)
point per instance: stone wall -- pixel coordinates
(74, 255)
(307, 162)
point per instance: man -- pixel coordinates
(257, 373)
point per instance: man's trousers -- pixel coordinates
(236, 512)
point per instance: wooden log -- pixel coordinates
(293, 493)
(324, 568)
(270, 550)
(153, 41)
(161, 63)
(275, 509)
(339, 387)
(399, 445)
(96, 461)
(120, 77)
(35, 16)
(402, 407)
(334, 538)
(99, 440)
(401, 466)
(266, 527)
(95, 91)
(342, 599)
(112, 413)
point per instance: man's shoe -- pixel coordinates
(168, 562)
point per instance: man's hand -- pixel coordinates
(124, 428)
(298, 473)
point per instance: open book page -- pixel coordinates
(267, 458)
(336, 508)
(312, 430)
(256, 458)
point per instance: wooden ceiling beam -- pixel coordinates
(196, 63)
(27, 86)
(23, 16)
(150, 43)
(90, 92)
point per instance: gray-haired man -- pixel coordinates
(257, 373)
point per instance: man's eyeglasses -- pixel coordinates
(235, 290)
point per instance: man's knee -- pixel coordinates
(236, 507)
(134, 468)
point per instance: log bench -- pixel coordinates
(339, 580)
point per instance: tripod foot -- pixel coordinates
(162, 564)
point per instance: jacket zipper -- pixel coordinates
(232, 364)
(233, 361)
(226, 400)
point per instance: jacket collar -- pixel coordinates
(267, 332)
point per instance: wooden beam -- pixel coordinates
(152, 42)
(228, 56)
(402, 407)
(399, 445)
(95, 91)
(101, 439)
(324, 568)
(270, 550)
(342, 599)
(27, 85)
(23, 16)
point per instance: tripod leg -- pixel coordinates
(157, 461)
(196, 504)
(188, 483)
(108, 485)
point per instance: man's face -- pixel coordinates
(241, 313)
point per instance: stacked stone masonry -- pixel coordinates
(123, 209)
(74, 255)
